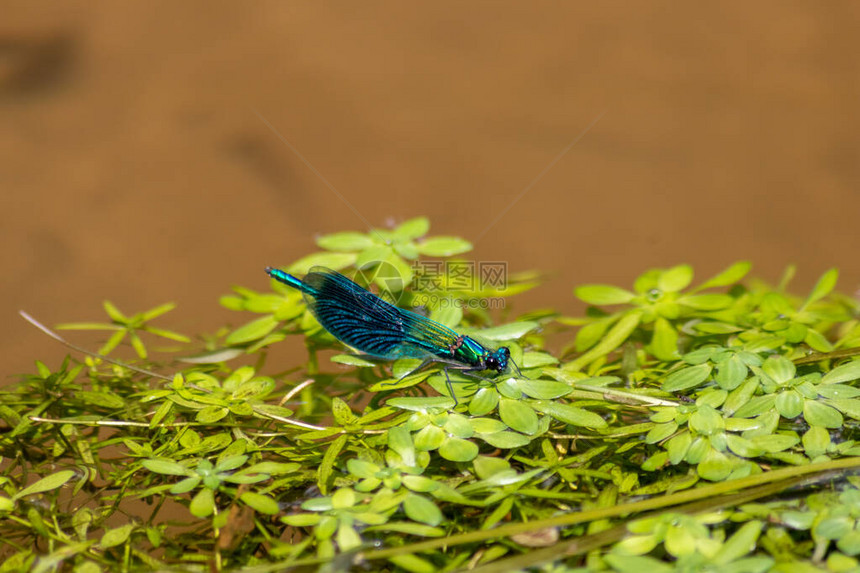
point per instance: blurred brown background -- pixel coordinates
(134, 166)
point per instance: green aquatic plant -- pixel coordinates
(703, 428)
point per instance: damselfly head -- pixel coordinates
(498, 360)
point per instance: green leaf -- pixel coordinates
(457, 425)
(706, 420)
(816, 440)
(211, 414)
(850, 545)
(231, 463)
(731, 373)
(397, 279)
(327, 466)
(116, 536)
(137, 344)
(837, 391)
(509, 388)
(260, 503)
(361, 468)
(412, 229)
(789, 404)
(372, 256)
(444, 246)
(203, 504)
(678, 446)
(591, 333)
(113, 312)
(47, 483)
(570, 414)
(458, 450)
(537, 359)
(843, 373)
(680, 541)
(165, 466)
(421, 404)
(272, 411)
(253, 330)
(408, 251)
(664, 342)
(833, 527)
(112, 342)
(647, 281)
(713, 397)
(774, 442)
(636, 564)
(419, 483)
(6, 504)
(102, 399)
(779, 368)
(715, 467)
(318, 504)
(823, 287)
(449, 315)
(511, 331)
(675, 279)
(409, 528)
(635, 544)
(755, 406)
(741, 543)
(613, 339)
(412, 563)
(352, 360)
(802, 520)
(186, 485)
(818, 414)
(541, 389)
(400, 440)
(487, 425)
(505, 440)
(655, 462)
(660, 432)
(706, 301)
(429, 438)
(729, 276)
(343, 498)
(301, 519)
(518, 416)
(347, 241)
(603, 294)
(742, 446)
(818, 341)
(422, 510)
(342, 412)
(687, 378)
(255, 388)
(712, 327)
(160, 414)
(88, 326)
(703, 354)
(157, 311)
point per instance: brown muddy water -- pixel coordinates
(143, 155)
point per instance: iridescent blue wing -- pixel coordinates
(364, 321)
